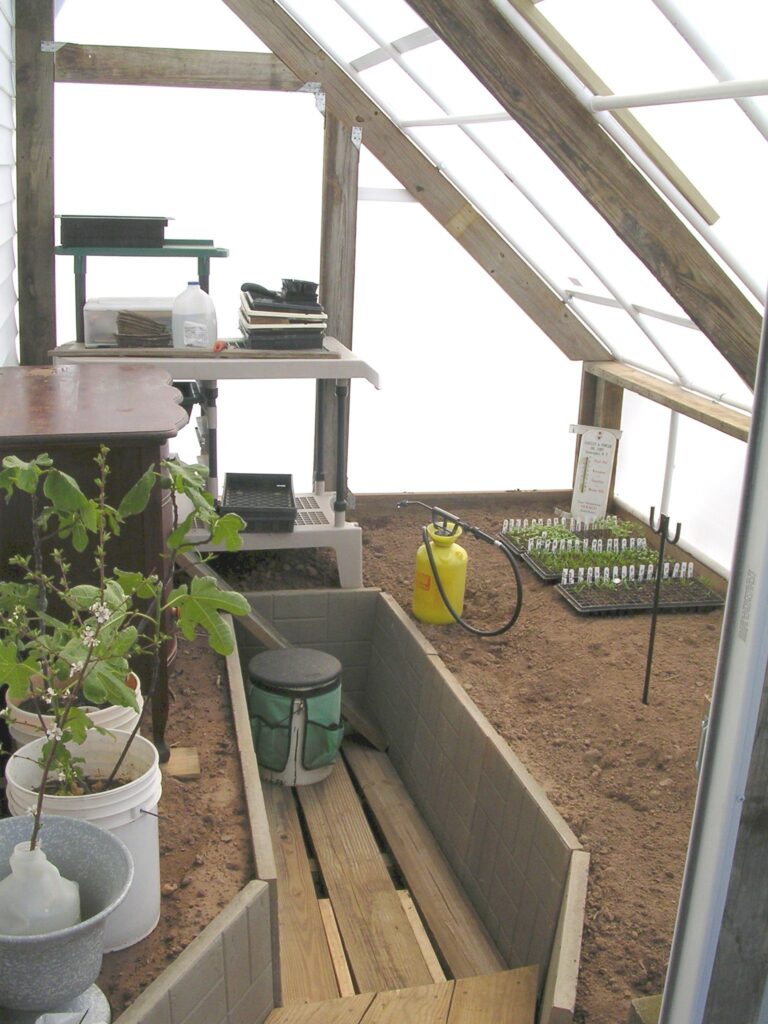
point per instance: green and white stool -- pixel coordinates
(294, 704)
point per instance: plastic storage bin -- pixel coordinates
(265, 500)
(294, 705)
(100, 317)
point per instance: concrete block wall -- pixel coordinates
(339, 622)
(506, 842)
(518, 861)
(224, 976)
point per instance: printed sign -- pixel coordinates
(597, 454)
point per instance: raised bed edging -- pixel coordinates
(521, 866)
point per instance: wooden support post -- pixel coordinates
(34, 197)
(600, 405)
(337, 268)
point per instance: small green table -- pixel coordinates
(202, 249)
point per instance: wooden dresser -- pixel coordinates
(68, 411)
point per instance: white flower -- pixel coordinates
(61, 776)
(54, 734)
(88, 636)
(100, 612)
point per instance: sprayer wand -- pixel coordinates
(446, 524)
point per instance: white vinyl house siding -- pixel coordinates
(8, 296)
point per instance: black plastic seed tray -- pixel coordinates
(675, 596)
(540, 570)
(141, 232)
(265, 500)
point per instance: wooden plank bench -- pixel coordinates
(463, 941)
(506, 997)
(381, 947)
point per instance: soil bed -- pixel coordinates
(564, 690)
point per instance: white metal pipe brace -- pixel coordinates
(716, 91)
(627, 143)
(740, 677)
(705, 53)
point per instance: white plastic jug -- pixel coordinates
(34, 898)
(193, 318)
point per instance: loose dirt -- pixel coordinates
(564, 690)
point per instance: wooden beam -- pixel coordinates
(600, 406)
(625, 118)
(34, 182)
(192, 69)
(285, 37)
(721, 417)
(568, 133)
(338, 241)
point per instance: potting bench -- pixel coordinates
(321, 520)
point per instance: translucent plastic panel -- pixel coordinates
(702, 365)
(330, 25)
(706, 486)
(373, 174)
(389, 21)
(398, 93)
(457, 87)
(197, 24)
(626, 340)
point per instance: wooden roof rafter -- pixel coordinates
(286, 38)
(527, 89)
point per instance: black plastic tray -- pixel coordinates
(675, 596)
(113, 231)
(265, 500)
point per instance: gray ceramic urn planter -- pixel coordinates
(40, 972)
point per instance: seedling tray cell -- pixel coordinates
(548, 575)
(675, 596)
(265, 500)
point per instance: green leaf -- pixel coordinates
(177, 537)
(23, 475)
(202, 607)
(15, 673)
(78, 724)
(106, 684)
(63, 491)
(136, 583)
(83, 596)
(227, 530)
(137, 498)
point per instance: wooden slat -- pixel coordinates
(569, 135)
(74, 348)
(146, 65)
(464, 944)
(435, 970)
(306, 966)
(729, 421)
(505, 998)
(336, 1011)
(381, 948)
(336, 947)
(425, 181)
(429, 1004)
(625, 118)
(183, 764)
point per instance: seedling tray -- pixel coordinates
(675, 596)
(548, 575)
(265, 500)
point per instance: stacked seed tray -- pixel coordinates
(600, 568)
(291, 319)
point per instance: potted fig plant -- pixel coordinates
(67, 647)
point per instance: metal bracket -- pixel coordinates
(51, 46)
(356, 136)
(319, 93)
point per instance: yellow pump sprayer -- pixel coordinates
(441, 571)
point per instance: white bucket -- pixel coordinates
(24, 726)
(128, 812)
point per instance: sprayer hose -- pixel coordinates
(481, 535)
